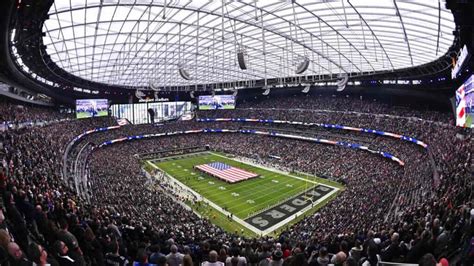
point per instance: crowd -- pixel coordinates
(350, 103)
(20, 113)
(386, 212)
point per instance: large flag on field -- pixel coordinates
(225, 172)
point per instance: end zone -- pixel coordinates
(272, 219)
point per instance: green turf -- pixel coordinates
(254, 195)
(210, 107)
(469, 120)
(318, 179)
(219, 219)
(87, 114)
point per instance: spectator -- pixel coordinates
(187, 260)
(38, 255)
(16, 256)
(156, 254)
(174, 258)
(62, 257)
(275, 260)
(323, 258)
(113, 258)
(213, 260)
(142, 258)
(235, 255)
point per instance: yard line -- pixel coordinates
(241, 201)
(290, 194)
(216, 195)
(205, 188)
(252, 180)
(251, 186)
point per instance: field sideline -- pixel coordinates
(244, 199)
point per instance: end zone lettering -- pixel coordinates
(269, 218)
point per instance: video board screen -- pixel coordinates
(465, 104)
(209, 102)
(137, 113)
(91, 108)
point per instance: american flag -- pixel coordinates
(225, 172)
(461, 106)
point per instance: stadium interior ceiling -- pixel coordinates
(114, 48)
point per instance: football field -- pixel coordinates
(88, 114)
(261, 204)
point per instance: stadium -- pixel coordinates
(159, 132)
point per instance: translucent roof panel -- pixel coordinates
(138, 42)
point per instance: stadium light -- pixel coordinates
(184, 74)
(267, 90)
(139, 94)
(303, 66)
(306, 89)
(153, 86)
(341, 84)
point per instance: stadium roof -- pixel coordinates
(133, 43)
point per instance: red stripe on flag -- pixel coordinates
(232, 174)
(461, 113)
(215, 172)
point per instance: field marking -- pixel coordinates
(251, 184)
(215, 206)
(289, 192)
(301, 212)
(234, 217)
(276, 171)
(242, 186)
(335, 189)
(206, 189)
(242, 203)
(203, 188)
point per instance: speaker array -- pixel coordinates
(241, 60)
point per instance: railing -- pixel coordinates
(77, 178)
(80, 172)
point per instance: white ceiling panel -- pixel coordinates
(133, 42)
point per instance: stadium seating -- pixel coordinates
(424, 207)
